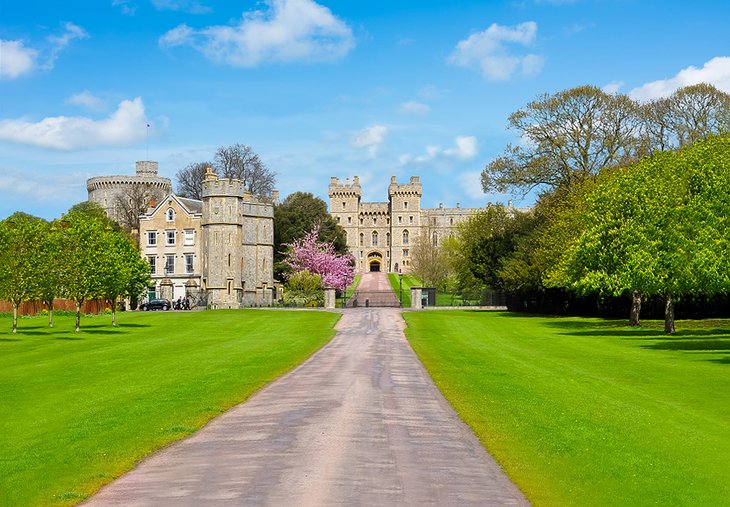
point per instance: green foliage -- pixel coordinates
(297, 215)
(586, 411)
(304, 289)
(78, 410)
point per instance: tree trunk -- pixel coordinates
(114, 313)
(636, 298)
(50, 313)
(669, 314)
(78, 316)
(15, 317)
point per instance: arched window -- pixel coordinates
(375, 238)
(387, 239)
(405, 237)
(362, 239)
(435, 239)
(170, 215)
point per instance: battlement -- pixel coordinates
(214, 186)
(337, 189)
(412, 188)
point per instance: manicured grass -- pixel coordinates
(588, 411)
(79, 409)
(350, 291)
(408, 282)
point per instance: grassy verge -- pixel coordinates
(350, 291)
(408, 282)
(586, 411)
(79, 409)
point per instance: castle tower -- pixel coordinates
(405, 219)
(221, 233)
(345, 208)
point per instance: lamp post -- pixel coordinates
(400, 283)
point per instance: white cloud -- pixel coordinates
(88, 100)
(487, 51)
(41, 187)
(465, 148)
(128, 7)
(288, 31)
(471, 184)
(413, 107)
(430, 92)
(613, 87)
(15, 59)
(715, 72)
(370, 138)
(125, 126)
(191, 6)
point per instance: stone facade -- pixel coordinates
(218, 251)
(380, 235)
(108, 190)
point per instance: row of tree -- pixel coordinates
(633, 202)
(79, 257)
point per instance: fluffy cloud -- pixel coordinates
(191, 6)
(488, 52)
(613, 87)
(370, 138)
(126, 125)
(413, 107)
(465, 148)
(471, 184)
(15, 59)
(289, 30)
(88, 100)
(715, 72)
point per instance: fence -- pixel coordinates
(486, 297)
(383, 298)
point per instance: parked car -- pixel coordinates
(156, 304)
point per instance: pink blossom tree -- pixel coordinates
(320, 258)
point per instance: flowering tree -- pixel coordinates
(320, 258)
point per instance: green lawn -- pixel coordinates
(587, 411)
(408, 282)
(350, 291)
(78, 409)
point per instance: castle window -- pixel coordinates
(405, 237)
(435, 239)
(189, 237)
(361, 221)
(400, 220)
(338, 220)
(349, 220)
(189, 263)
(344, 205)
(170, 215)
(169, 238)
(451, 221)
(169, 264)
(153, 264)
(405, 252)
(151, 238)
(375, 238)
(362, 239)
(387, 239)
(410, 220)
(405, 204)
(433, 221)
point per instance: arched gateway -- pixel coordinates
(375, 261)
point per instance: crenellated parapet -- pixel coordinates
(346, 189)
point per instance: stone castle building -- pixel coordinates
(381, 235)
(219, 251)
(110, 192)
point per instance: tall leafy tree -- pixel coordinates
(49, 268)
(429, 261)
(296, 216)
(18, 282)
(659, 227)
(566, 138)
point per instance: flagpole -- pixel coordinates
(147, 141)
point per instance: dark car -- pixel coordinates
(156, 304)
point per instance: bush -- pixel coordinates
(304, 289)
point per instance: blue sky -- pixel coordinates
(318, 88)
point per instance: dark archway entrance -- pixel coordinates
(375, 261)
(374, 266)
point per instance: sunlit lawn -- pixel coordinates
(408, 282)
(79, 409)
(587, 411)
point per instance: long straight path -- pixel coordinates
(359, 423)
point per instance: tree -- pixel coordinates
(689, 114)
(124, 272)
(568, 137)
(298, 214)
(659, 227)
(132, 203)
(82, 249)
(429, 261)
(241, 162)
(320, 258)
(189, 180)
(18, 283)
(49, 267)
(304, 289)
